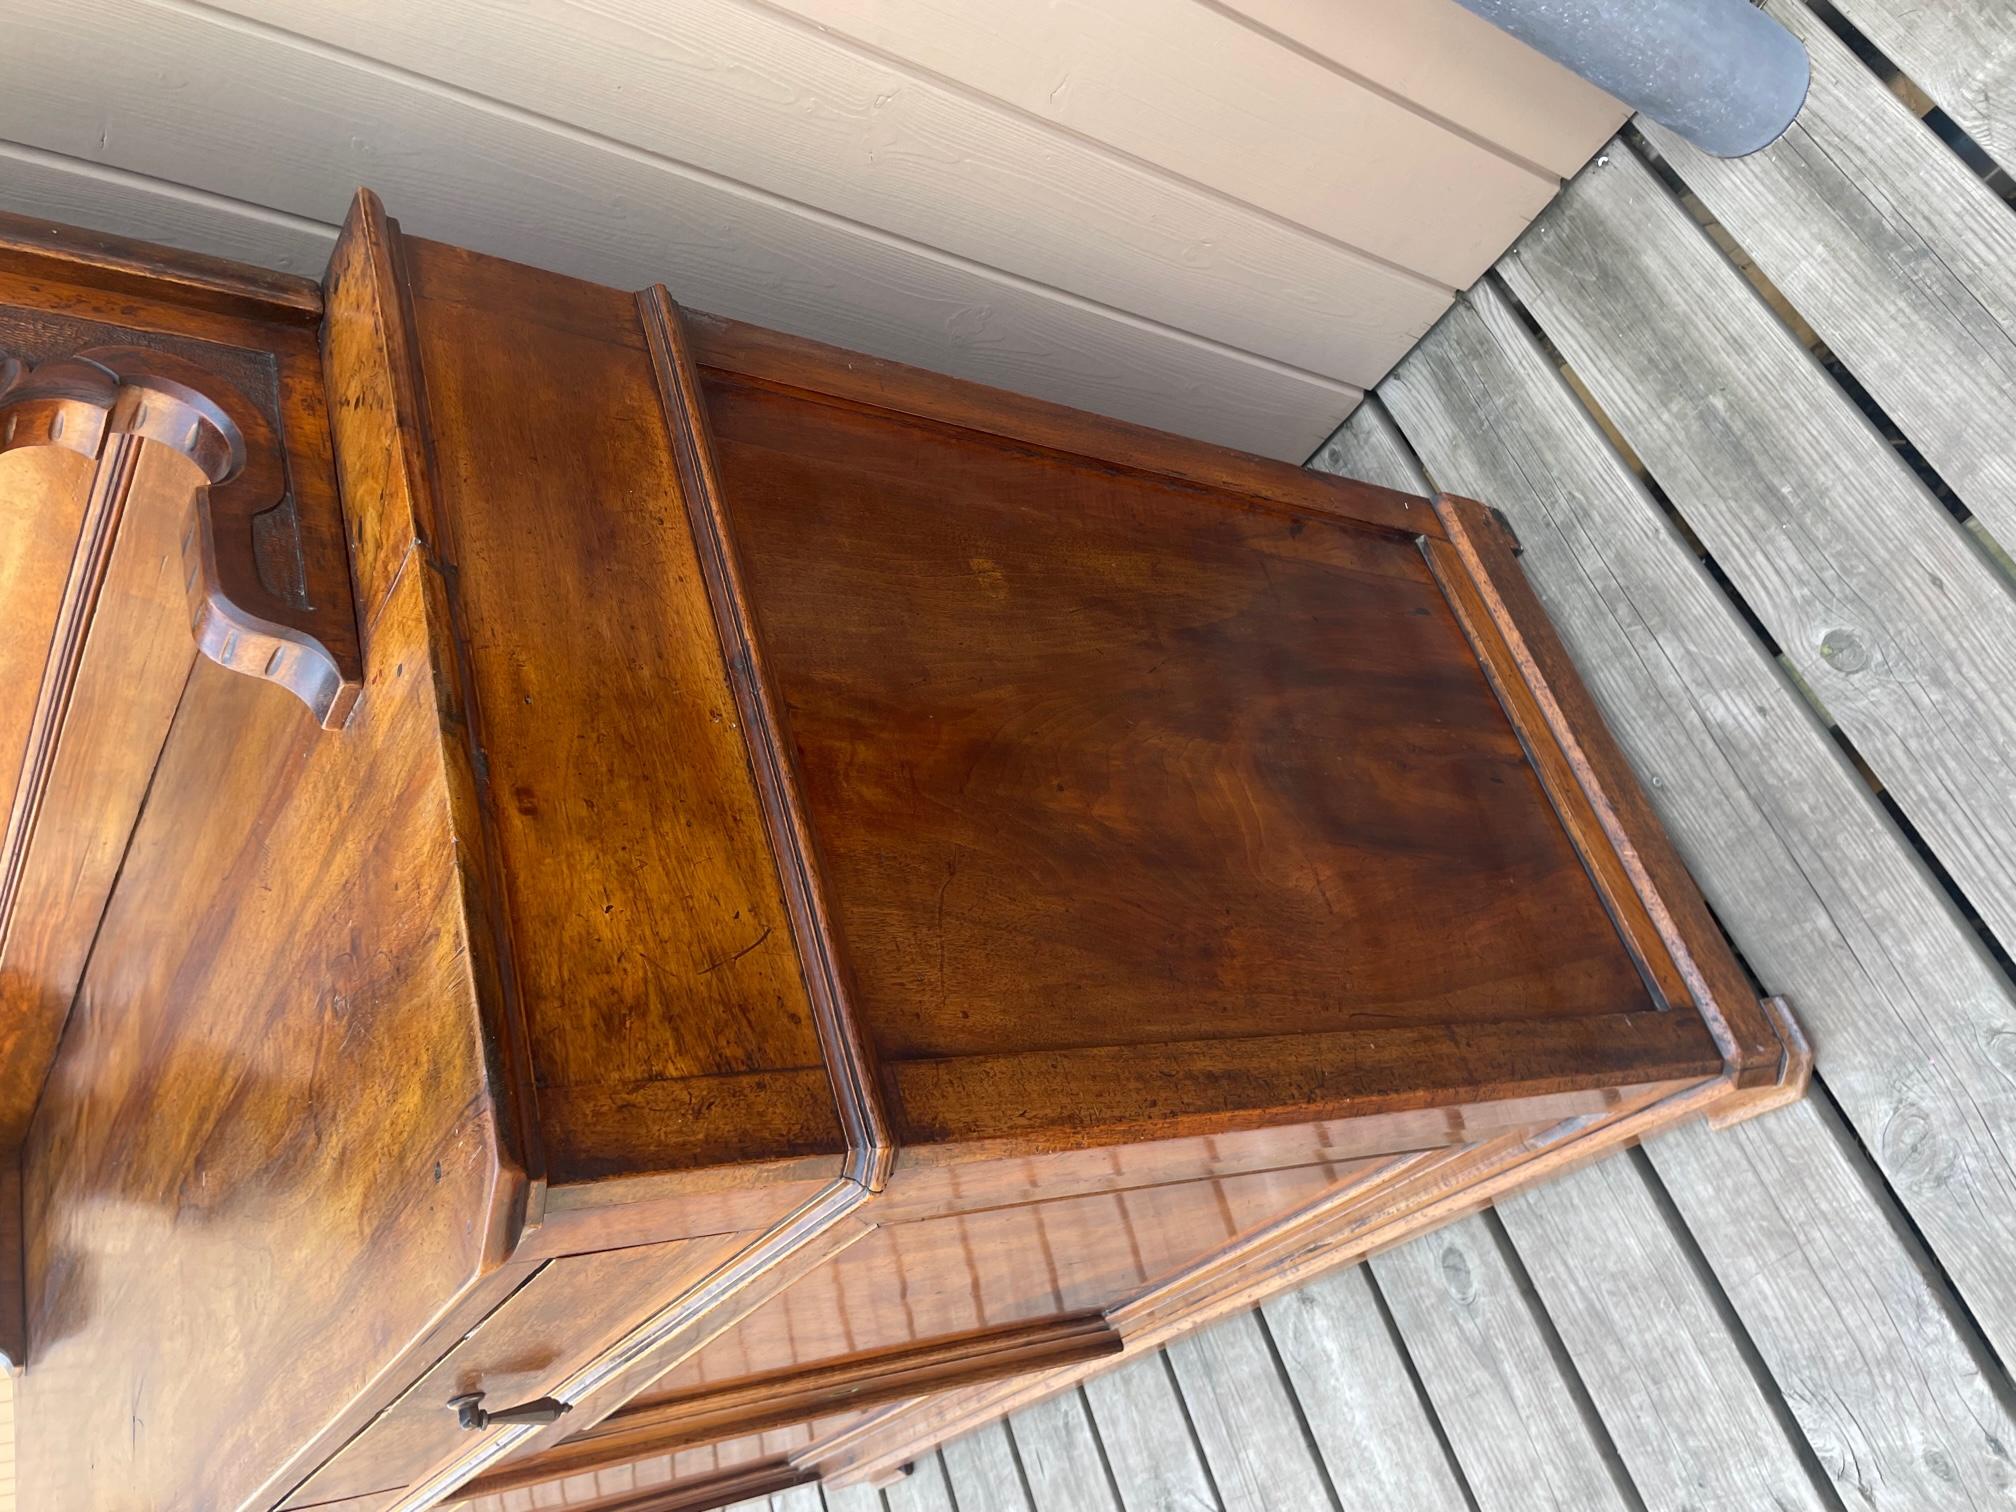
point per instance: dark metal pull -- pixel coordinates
(469, 1409)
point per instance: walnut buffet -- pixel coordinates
(584, 880)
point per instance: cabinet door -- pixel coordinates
(570, 1312)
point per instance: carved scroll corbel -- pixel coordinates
(257, 603)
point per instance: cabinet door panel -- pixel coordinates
(570, 1311)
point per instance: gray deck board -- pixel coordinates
(1147, 1439)
(1826, 900)
(1370, 448)
(1886, 1384)
(1060, 1456)
(1693, 1424)
(1961, 52)
(1817, 523)
(1376, 1436)
(1246, 1422)
(1879, 599)
(924, 1489)
(1512, 1411)
(852, 1499)
(982, 1472)
(1894, 251)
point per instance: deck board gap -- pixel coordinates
(1738, 1334)
(1661, 498)
(1830, 361)
(1883, 1197)
(1935, 868)
(1022, 1470)
(1301, 1414)
(1113, 1491)
(1946, 131)
(1406, 1358)
(1189, 1427)
(1578, 1389)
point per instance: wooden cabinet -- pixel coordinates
(693, 893)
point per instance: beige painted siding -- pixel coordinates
(1223, 217)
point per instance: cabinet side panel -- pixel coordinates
(267, 1158)
(1096, 758)
(666, 1013)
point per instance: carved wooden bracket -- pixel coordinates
(258, 602)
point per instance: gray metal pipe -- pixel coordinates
(1721, 73)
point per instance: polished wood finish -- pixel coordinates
(521, 1352)
(843, 900)
(1030, 795)
(35, 248)
(761, 1401)
(664, 1009)
(811, 368)
(735, 1484)
(164, 463)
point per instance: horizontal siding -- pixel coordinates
(1085, 203)
(1211, 101)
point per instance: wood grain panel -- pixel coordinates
(1006, 879)
(205, 1041)
(44, 489)
(571, 1310)
(327, 122)
(942, 1276)
(644, 957)
(100, 715)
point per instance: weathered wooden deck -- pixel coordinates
(1755, 423)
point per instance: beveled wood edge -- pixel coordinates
(1552, 767)
(723, 1488)
(815, 369)
(1009, 1104)
(44, 249)
(1337, 1229)
(101, 402)
(849, 1055)
(652, 1338)
(97, 533)
(13, 1273)
(782, 1398)
(1793, 1083)
(1660, 911)
(385, 411)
